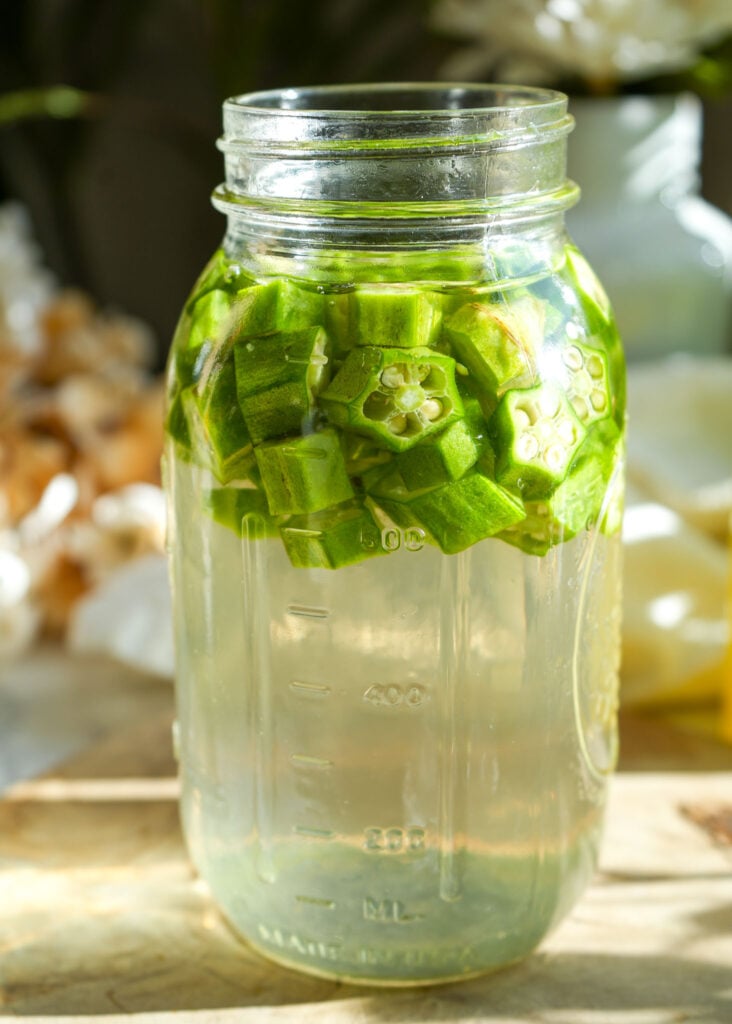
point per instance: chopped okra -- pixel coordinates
(498, 343)
(440, 457)
(241, 509)
(332, 538)
(275, 307)
(303, 474)
(396, 396)
(277, 379)
(458, 514)
(210, 317)
(535, 434)
(393, 318)
(584, 376)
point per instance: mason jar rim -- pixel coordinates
(323, 100)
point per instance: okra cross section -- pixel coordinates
(277, 379)
(396, 396)
(535, 435)
(303, 474)
(584, 375)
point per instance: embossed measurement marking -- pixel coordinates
(394, 840)
(316, 901)
(307, 761)
(316, 833)
(304, 689)
(394, 695)
(308, 611)
(387, 911)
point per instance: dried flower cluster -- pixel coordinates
(80, 443)
(603, 42)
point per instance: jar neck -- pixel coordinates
(332, 174)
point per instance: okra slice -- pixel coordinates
(185, 369)
(243, 510)
(209, 317)
(222, 432)
(458, 514)
(303, 474)
(578, 502)
(445, 456)
(277, 379)
(393, 318)
(275, 307)
(498, 343)
(332, 538)
(396, 396)
(535, 435)
(584, 376)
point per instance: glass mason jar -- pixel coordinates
(394, 466)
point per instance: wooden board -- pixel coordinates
(101, 916)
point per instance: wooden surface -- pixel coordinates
(100, 913)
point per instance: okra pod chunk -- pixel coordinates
(241, 509)
(439, 458)
(277, 379)
(458, 514)
(210, 318)
(535, 435)
(222, 435)
(277, 306)
(303, 474)
(498, 343)
(393, 317)
(332, 538)
(396, 396)
(184, 371)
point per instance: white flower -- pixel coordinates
(605, 41)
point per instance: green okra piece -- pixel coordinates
(279, 306)
(583, 372)
(303, 474)
(393, 317)
(243, 510)
(396, 396)
(440, 458)
(456, 515)
(535, 435)
(332, 538)
(498, 343)
(277, 379)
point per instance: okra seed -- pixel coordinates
(398, 424)
(566, 432)
(595, 366)
(599, 400)
(554, 457)
(573, 358)
(432, 409)
(392, 377)
(549, 404)
(527, 447)
(521, 419)
(580, 407)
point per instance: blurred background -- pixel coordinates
(109, 113)
(115, 169)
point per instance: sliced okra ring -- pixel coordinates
(396, 396)
(535, 434)
(458, 514)
(584, 375)
(303, 474)
(241, 509)
(332, 538)
(277, 379)
(498, 343)
(393, 317)
(577, 503)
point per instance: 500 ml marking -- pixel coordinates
(392, 538)
(394, 840)
(394, 695)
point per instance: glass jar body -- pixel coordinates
(395, 482)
